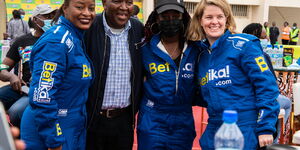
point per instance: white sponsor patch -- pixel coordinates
(150, 103)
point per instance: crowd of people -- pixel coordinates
(89, 75)
(289, 35)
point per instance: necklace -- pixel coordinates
(172, 52)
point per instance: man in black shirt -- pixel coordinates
(14, 96)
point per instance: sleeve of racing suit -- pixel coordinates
(264, 84)
(49, 65)
(197, 97)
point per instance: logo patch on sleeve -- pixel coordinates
(58, 130)
(41, 94)
(260, 61)
(86, 72)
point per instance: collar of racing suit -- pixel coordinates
(205, 43)
(66, 22)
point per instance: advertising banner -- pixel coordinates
(29, 5)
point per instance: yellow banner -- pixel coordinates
(42, 2)
(13, 1)
(29, 6)
(55, 6)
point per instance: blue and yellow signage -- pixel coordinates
(29, 5)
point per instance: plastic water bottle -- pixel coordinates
(268, 49)
(271, 52)
(229, 136)
(276, 55)
(280, 55)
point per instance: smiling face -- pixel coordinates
(117, 12)
(213, 22)
(80, 12)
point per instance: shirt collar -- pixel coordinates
(108, 29)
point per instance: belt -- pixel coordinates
(113, 113)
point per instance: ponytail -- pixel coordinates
(58, 13)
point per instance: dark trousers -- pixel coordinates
(284, 42)
(111, 133)
(14, 102)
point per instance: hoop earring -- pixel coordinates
(154, 28)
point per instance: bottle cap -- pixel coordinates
(230, 116)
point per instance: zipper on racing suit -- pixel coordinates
(177, 74)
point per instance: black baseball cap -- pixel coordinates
(164, 5)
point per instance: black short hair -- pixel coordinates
(136, 9)
(16, 14)
(151, 26)
(30, 23)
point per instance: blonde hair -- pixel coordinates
(195, 31)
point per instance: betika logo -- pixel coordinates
(153, 68)
(188, 71)
(86, 72)
(221, 74)
(46, 83)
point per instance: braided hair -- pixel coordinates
(60, 11)
(151, 26)
(254, 29)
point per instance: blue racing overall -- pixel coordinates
(233, 74)
(61, 76)
(165, 118)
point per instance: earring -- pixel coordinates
(154, 28)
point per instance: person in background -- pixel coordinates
(22, 13)
(17, 26)
(266, 27)
(257, 30)
(294, 34)
(136, 11)
(284, 102)
(232, 75)
(274, 33)
(61, 76)
(14, 96)
(285, 33)
(113, 44)
(165, 119)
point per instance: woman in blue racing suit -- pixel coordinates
(165, 118)
(61, 76)
(233, 74)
